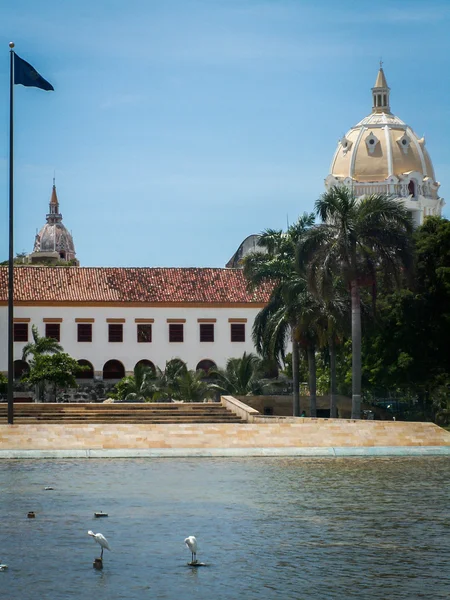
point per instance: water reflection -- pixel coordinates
(267, 528)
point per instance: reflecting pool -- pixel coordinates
(376, 528)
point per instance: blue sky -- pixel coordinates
(178, 128)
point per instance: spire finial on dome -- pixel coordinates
(54, 198)
(54, 215)
(380, 93)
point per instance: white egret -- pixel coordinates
(191, 543)
(100, 539)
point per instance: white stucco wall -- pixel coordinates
(129, 352)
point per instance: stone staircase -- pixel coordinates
(139, 413)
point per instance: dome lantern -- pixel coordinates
(380, 93)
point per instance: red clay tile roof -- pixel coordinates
(117, 285)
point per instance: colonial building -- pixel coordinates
(382, 154)
(113, 318)
(54, 242)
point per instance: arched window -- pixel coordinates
(206, 365)
(113, 369)
(412, 188)
(88, 373)
(147, 363)
(21, 367)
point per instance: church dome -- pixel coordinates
(379, 146)
(54, 241)
(54, 237)
(382, 154)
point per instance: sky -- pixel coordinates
(178, 128)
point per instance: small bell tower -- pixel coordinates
(380, 93)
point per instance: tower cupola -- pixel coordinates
(380, 94)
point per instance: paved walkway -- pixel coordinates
(276, 437)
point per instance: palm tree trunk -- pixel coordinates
(332, 351)
(295, 378)
(356, 350)
(312, 380)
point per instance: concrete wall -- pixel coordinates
(281, 406)
(129, 352)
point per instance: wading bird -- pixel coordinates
(191, 543)
(100, 539)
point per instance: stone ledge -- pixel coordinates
(373, 452)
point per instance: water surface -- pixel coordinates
(290, 528)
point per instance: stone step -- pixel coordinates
(84, 413)
(123, 409)
(108, 416)
(66, 408)
(193, 419)
(119, 415)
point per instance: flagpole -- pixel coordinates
(11, 245)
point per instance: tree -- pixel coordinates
(333, 324)
(139, 387)
(288, 311)
(405, 348)
(241, 376)
(60, 369)
(191, 386)
(40, 345)
(357, 238)
(167, 380)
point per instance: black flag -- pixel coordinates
(27, 75)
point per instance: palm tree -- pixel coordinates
(139, 387)
(192, 386)
(357, 238)
(291, 314)
(167, 380)
(241, 376)
(333, 324)
(40, 345)
(288, 312)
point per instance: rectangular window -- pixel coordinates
(238, 332)
(144, 333)
(115, 332)
(21, 332)
(52, 330)
(84, 332)
(176, 332)
(206, 332)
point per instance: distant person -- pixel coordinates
(303, 414)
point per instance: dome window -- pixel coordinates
(346, 144)
(404, 142)
(371, 143)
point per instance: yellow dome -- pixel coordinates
(383, 155)
(378, 147)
